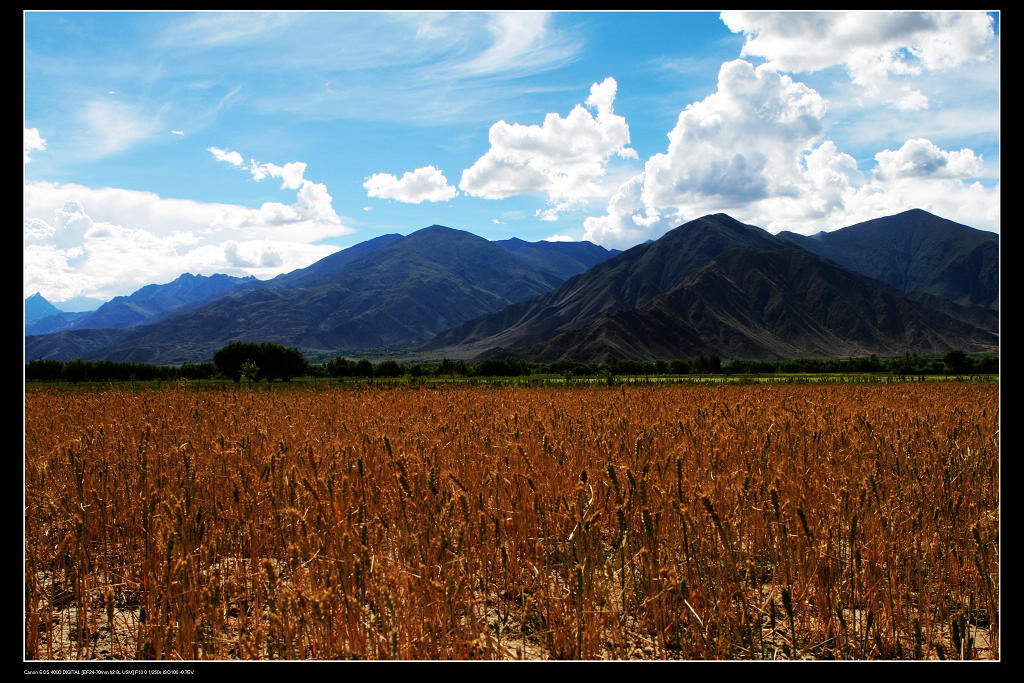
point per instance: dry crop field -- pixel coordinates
(498, 522)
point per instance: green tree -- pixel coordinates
(364, 368)
(259, 361)
(957, 362)
(230, 359)
(280, 362)
(388, 368)
(75, 371)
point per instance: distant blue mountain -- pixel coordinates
(36, 306)
(144, 305)
(400, 293)
(563, 259)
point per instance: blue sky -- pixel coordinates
(255, 143)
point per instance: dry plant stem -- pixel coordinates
(494, 522)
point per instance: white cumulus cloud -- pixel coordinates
(34, 142)
(628, 221)
(291, 174)
(424, 184)
(230, 157)
(742, 143)
(563, 159)
(756, 149)
(921, 158)
(313, 202)
(872, 46)
(82, 241)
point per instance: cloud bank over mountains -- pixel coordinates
(758, 147)
(80, 240)
(765, 145)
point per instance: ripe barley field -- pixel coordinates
(500, 522)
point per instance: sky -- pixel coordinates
(256, 143)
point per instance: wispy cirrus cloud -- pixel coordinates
(435, 66)
(108, 126)
(520, 42)
(209, 30)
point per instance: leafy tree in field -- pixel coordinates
(448, 367)
(340, 367)
(47, 370)
(988, 365)
(251, 371)
(957, 362)
(75, 371)
(197, 370)
(680, 367)
(707, 364)
(230, 359)
(279, 362)
(388, 368)
(364, 368)
(496, 367)
(266, 360)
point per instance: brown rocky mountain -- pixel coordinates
(753, 304)
(623, 282)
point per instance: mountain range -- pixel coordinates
(913, 282)
(36, 307)
(774, 304)
(627, 281)
(916, 252)
(144, 305)
(390, 290)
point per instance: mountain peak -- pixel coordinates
(916, 251)
(36, 306)
(443, 232)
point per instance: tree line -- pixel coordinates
(259, 361)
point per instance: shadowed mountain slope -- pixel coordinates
(916, 251)
(326, 267)
(751, 304)
(36, 306)
(622, 282)
(563, 259)
(400, 293)
(712, 285)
